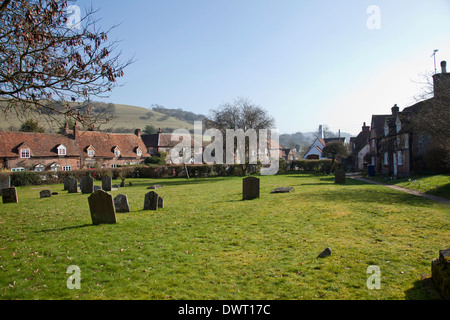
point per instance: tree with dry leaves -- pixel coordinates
(44, 59)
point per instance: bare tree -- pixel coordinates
(43, 59)
(240, 114)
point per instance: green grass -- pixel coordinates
(438, 185)
(209, 244)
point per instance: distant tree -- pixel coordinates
(334, 149)
(31, 125)
(149, 129)
(240, 114)
(44, 58)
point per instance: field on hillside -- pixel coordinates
(126, 116)
(209, 244)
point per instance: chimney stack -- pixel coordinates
(75, 130)
(137, 132)
(441, 82)
(395, 109)
(444, 66)
(365, 128)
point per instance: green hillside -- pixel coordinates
(126, 117)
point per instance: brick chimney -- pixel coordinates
(137, 132)
(365, 128)
(75, 131)
(395, 110)
(441, 82)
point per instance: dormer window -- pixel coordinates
(25, 153)
(90, 151)
(62, 150)
(39, 168)
(117, 152)
(138, 151)
(386, 129)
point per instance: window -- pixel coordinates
(398, 125)
(114, 166)
(386, 130)
(116, 152)
(54, 167)
(25, 153)
(138, 152)
(39, 168)
(386, 158)
(67, 168)
(17, 169)
(91, 153)
(62, 151)
(399, 158)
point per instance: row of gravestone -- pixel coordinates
(103, 208)
(87, 184)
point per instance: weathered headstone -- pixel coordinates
(160, 203)
(440, 272)
(151, 201)
(114, 187)
(283, 190)
(5, 182)
(72, 185)
(9, 195)
(102, 208)
(106, 183)
(87, 184)
(66, 183)
(339, 176)
(122, 184)
(121, 203)
(45, 194)
(97, 188)
(250, 188)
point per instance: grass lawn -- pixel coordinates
(208, 244)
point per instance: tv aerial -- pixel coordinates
(434, 55)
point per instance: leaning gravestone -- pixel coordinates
(102, 208)
(87, 184)
(339, 176)
(151, 201)
(9, 195)
(250, 188)
(121, 203)
(72, 185)
(45, 194)
(107, 183)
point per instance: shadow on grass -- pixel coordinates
(174, 182)
(423, 289)
(65, 228)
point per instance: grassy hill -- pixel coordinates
(126, 117)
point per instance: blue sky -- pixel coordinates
(306, 62)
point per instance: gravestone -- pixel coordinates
(114, 187)
(66, 183)
(107, 183)
(250, 188)
(121, 203)
(325, 253)
(155, 186)
(97, 188)
(9, 195)
(160, 203)
(282, 190)
(72, 185)
(440, 272)
(339, 176)
(151, 201)
(122, 184)
(45, 194)
(87, 184)
(5, 182)
(102, 208)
